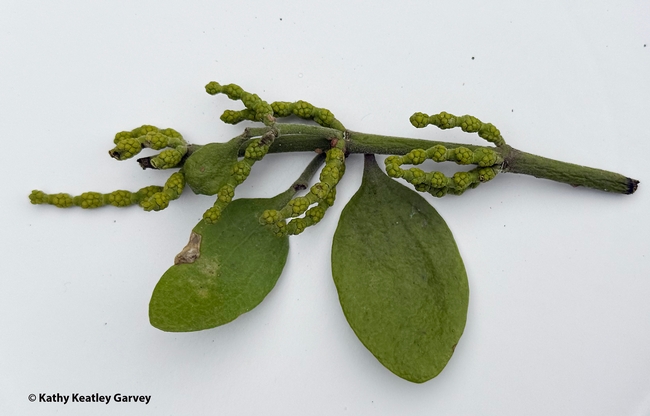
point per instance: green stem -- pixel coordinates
(516, 161)
(308, 138)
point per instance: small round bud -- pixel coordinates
(315, 213)
(256, 151)
(303, 109)
(121, 136)
(491, 134)
(394, 171)
(156, 140)
(233, 91)
(213, 88)
(462, 180)
(270, 216)
(331, 196)
(320, 190)
(212, 215)
(38, 197)
(119, 198)
(486, 174)
(296, 226)
(167, 159)
(324, 117)
(437, 153)
(226, 193)
(125, 149)
(281, 108)
(90, 200)
(334, 154)
(61, 200)
(156, 202)
(299, 205)
(485, 157)
(439, 180)
(419, 120)
(240, 171)
(470, 124)
(175, 184)
(463, 155)
(415, 156)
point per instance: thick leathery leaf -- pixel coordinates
(400, 278)
(208, 169)
(238, 265)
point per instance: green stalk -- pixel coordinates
(309, 138)
(516, 161)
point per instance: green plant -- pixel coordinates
(400, 278)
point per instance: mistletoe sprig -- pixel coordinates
(400, 278)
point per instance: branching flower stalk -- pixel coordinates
(400, 278)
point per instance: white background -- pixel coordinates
(559, 318)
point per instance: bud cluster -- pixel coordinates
(436, 183)
(308, 210)
(467, 123)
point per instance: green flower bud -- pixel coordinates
(491, 134)
(299, 205)
(212, 215)
(462, 180)
(394, 171)
(463, 155)
(331, 196)
(169, 132)
(166, 159)
(226, 193)
(470, 124)
(485, 157)
(324, 117)
(121, 136)
(125, 149)
(270, 216)
(415, 176)
(334, 154)
(38, 197)
(233, 91)
(89, 200)
(282, 108)
(213, 88)
(175, 184)
(315, 213)
(156, 202)
(303, 109)
(60, 200)
(486, 174)
(296, 226)
(120, 198)
(439, 180)
(320, 190)
(256, 151)
(143, 130)
(443, 120)
(419, 120)
(280, 228)
(148, 191)
(156, 140)
(438, 153)
(240, 171)
(415, 156)
(234, 117)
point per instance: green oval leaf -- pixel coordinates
(400, 278)
(239, 261)
(208, 169)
